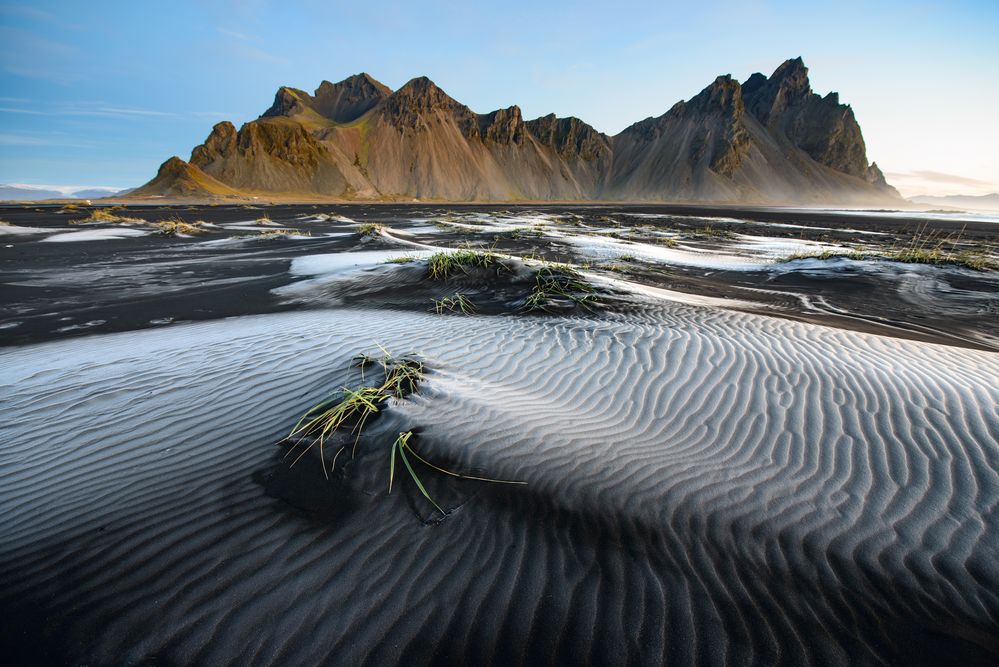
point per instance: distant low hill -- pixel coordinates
(97, 193)
(20, 193)
(974, 202)
(766, 140)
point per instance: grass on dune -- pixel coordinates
(921, 249)
(442, 265)
(350, 409)
(556, 281)
(455, 303)
(404, 259)
(370, 229)
(175, 226)
(266, 233)
(105, 215)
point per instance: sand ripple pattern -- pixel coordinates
(703, 486)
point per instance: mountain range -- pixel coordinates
(764, 140)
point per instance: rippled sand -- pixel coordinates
(703, 485)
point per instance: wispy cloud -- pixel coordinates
(33, 140)
(243, 37)
(121, 111)
(98, 110)
(32, 112)
(241, 45)
(27, 12)
(940, 177)
(250, 52)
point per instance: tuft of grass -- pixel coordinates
(713, 232)
(455, 303)
(282, 232)
(352, 408)
(921, 249)
(405, 259)
(560, 282)
(370, 229)
(105, 215)
(175, 226)
(627, 258)
(442, 265)
(827, 254)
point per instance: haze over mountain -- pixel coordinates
(767, 140)
(989, 202)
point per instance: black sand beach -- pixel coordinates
(734, 454)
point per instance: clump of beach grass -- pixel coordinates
(713, 232)
(105, 215)
(271, 233)
(351, 408)
(404, 259)
(442, 265)
(354, 406)
(176, 226)
(557, 281)
(455, 303)
(921, 249)
(370, 229)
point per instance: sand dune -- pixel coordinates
(702, 485)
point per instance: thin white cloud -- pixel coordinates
(27, 12)
(941, 177)
(31, 140)
(123, 111)
(235, 35)
(32, 112)
(89, 109)
(248, 52)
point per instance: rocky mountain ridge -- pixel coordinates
(767, 140)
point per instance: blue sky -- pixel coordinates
(100, 93)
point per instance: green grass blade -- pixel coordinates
(416, 478)
(455, 474)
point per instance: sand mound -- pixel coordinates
(703, 485)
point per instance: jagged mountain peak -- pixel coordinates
(340, 102)
(362, 80)
(723, 94)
